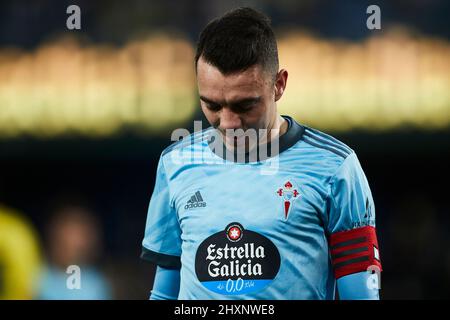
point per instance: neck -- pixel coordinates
(282, 125)
(275, 130)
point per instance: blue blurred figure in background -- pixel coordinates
(73, 237)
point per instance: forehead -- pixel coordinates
(215, 85)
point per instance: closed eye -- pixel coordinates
(246, 105)
(213, 106)
(239, 106)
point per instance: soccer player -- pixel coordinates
(20, 256)
(289, 224)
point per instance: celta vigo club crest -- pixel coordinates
(289, 194)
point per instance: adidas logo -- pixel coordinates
(196, 201)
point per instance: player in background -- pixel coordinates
(20, 256)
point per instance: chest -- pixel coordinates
(208, 199)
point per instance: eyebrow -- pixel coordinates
(232, 103)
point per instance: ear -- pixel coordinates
(280, 83)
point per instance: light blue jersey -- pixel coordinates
(53, 285)
(239, 230)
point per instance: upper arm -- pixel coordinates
(351, 221)
(162, 239)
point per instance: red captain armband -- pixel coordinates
(354, 251)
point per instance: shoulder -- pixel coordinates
(188, 146)
(337, 158)
(326, 144)
(16, 225)
(323, 152)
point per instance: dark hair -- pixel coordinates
(238, 40)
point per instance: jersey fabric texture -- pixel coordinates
(281, 227)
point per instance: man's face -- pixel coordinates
(242, 100)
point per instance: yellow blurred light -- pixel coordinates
(97, 90)
(379, 84)
(386, 81)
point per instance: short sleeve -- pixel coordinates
(162, 239)
(351, 221)
(350, 202)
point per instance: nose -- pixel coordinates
(229, 120)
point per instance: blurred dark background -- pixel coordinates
(112, 172)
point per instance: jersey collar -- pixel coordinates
(287, 140)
